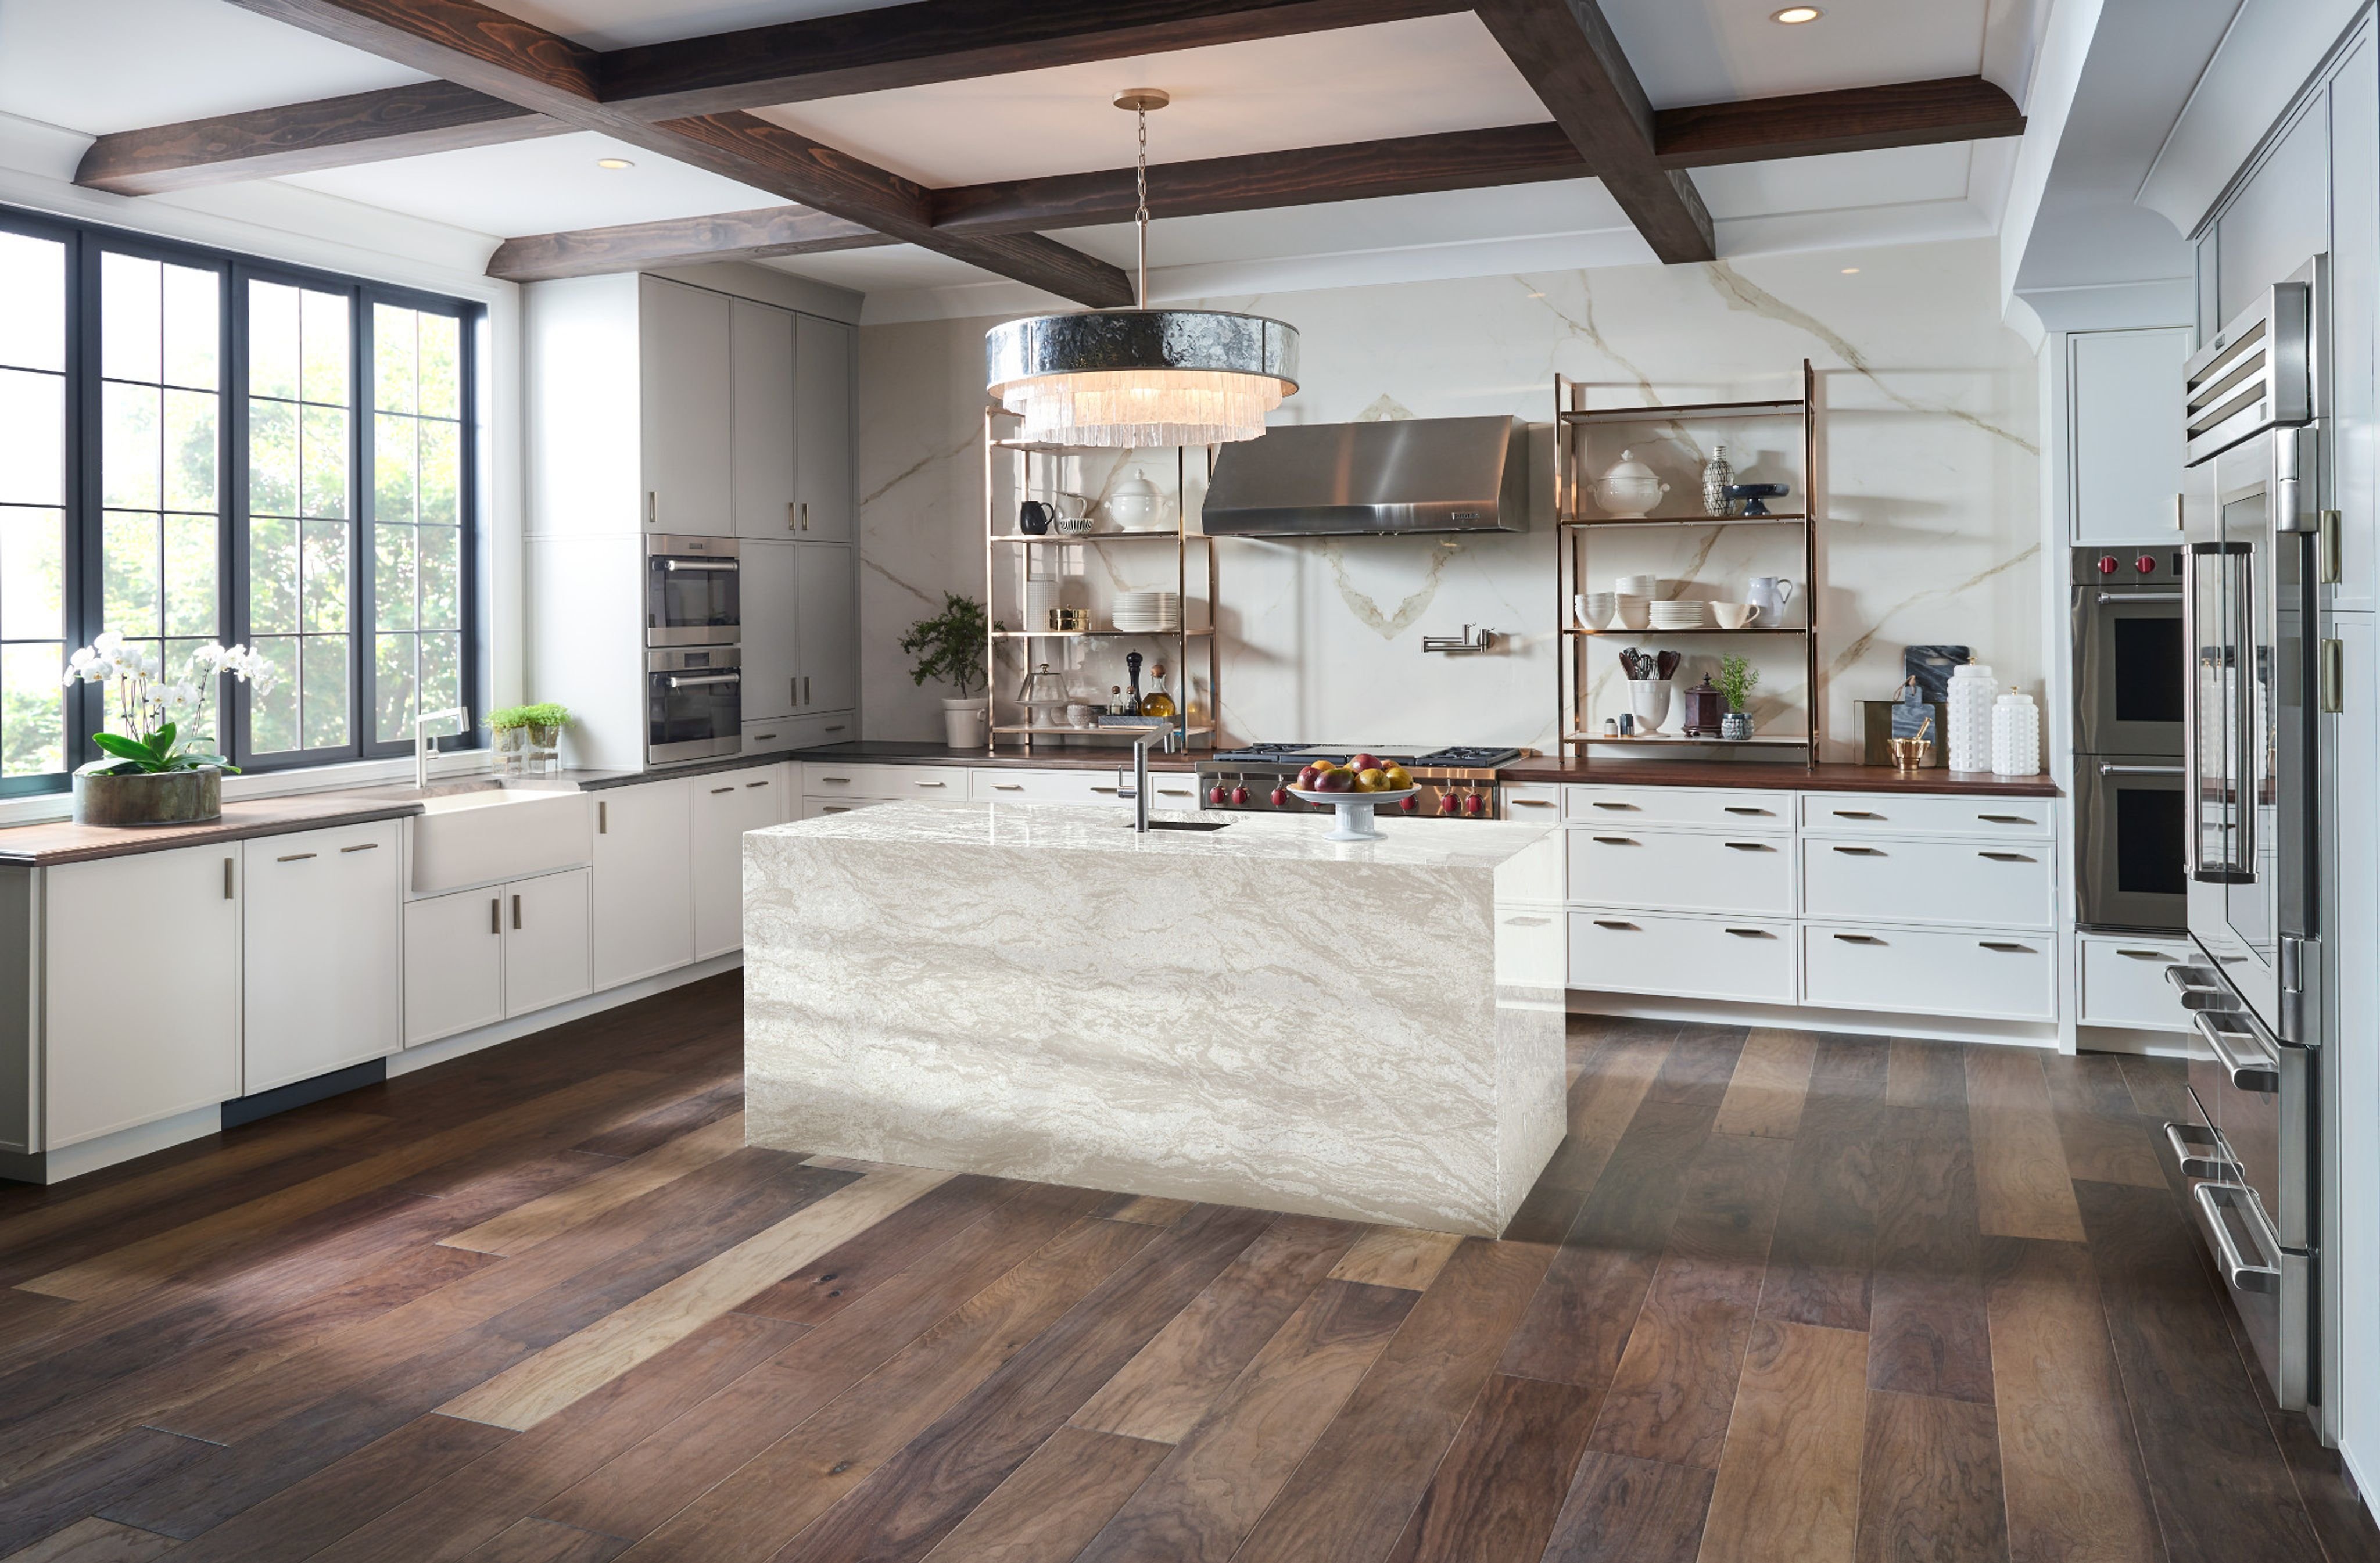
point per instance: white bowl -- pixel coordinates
(1637, 586)
(1593, 610)
(1635, 611)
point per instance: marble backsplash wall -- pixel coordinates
(1926, 476)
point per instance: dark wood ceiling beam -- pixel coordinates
(1904, 114)
(427, 116)
(681, 241)
(480, 47)
(1567, 52)
(930, 40)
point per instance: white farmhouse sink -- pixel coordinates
(487, 834)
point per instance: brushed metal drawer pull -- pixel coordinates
(1526, 922)
(602, 818)
(1861, 851)
(2005, 947)
(2144, 954)
(764, 737)
(1628, 807)
(1750, 846)
(1629, 928)
(1008, 786)
(227, 883)
(517, 922)
(1752, 933)
(2198, 1153)
(749, 785)
(2007, 857)
(1113, 790)
(496, 915)
(716, 790)
(361, 846)
(2242, 1274)
(836, 728)
(1618, 841)
(838, 780)
(1859, 939)
(1856, 814)
(294, 857)
(2017, 818)
(1528, 803)
(929, 783)
(1746, 808)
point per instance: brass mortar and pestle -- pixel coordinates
(1909, 755)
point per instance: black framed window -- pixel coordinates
(197, 447)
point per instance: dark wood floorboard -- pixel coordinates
(1773, 1297)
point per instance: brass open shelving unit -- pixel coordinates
(1573, 419)
(1039, 471)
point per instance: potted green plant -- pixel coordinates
(949, 650)
(528, 738)
(149, 776)
(1735, 680)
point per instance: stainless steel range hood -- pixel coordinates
(1349, 479)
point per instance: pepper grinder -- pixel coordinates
(1132, 678)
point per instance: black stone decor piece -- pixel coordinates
(1931, 665)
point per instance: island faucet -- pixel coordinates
(1139, 793)
(421, 741)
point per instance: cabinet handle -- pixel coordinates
(1526, 922)
(1859, 939)
(2333, 677)
(1617, 841)
(793, 522)
(749, 785)
(2005, 947)
(1752, 933)
(1629, 807)
(838, 780)
(496, 915)
(1008, 786)
(360, 846)
(1856, 814)
(2144, 955)
(2023, 819)
(1117, 789)
(1626, 927)
(931, 783)
(517, 911)
(836, 728)
(1746, 808)
(716, 790)
(764, 737)
(1528, 803)
(2006, 856)
(602, 818)
(1750, 846)
(227, 885)
(652, 509)
(1169, 792)
(805, 689)
(1861, 851)
(294, 857)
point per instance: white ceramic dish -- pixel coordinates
(1354, 820)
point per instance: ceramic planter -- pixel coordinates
(152, 797)
(964, 721)
(1735, 725)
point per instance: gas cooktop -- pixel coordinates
(1461, 757)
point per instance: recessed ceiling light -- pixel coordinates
(614, 163)
(1794, 16)
(1851, 271)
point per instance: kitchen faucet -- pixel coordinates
(1139, 793)
(421, 741)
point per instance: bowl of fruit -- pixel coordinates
(1355, 789)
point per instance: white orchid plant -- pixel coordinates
(154, 712)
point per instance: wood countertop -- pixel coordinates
(57, 841)
(1777, 774)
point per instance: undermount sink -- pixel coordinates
(481, 834)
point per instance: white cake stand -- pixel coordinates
(1354, 823)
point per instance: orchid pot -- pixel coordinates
(150, 774)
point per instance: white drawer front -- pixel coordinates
(800, 731)
(1681, 871)
(2123, 983)
(1728, 808)
(1538, 801)
(1929, 971)
(1012, 785)
(1925, 815)
(924, 783)
(811, 809)
(2004, 884)
(1683, 957)
(1529, 946)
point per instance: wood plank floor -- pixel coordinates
(1779, 1298)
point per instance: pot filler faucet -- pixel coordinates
(1139, 793)
(421, 742)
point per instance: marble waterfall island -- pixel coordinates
(1250, 1015)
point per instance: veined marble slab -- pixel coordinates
(1251, 1016)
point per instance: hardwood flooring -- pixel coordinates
(1778, 1297)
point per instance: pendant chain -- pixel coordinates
(1140, 217)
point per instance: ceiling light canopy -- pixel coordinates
(1122, 379)
(1794, 16)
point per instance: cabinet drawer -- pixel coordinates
(1683, 957)
(812, 808)
(1681, 871)
(1925, 814)
(1529, 946)
(2123, 983)
(800, 731)
(1537, 801)
(1014, 785)
(924, 783)
(1929, 971)
(2001, 884)
(1728, 808)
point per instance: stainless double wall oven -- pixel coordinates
(2130, 678)
(2253, 826)
(693, 679)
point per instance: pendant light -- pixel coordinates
(1139, 377)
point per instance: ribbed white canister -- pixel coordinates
(2016, 736)
(1969, 741)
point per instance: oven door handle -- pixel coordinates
(714, 565)
(2259, 1074)
(2111, 598)
(676, 682)
(2107, 768)
(2243, 1275)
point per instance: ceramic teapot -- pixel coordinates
(1630, 489)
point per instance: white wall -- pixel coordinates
(1928, 466)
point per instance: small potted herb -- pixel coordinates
(1735, 680)
(148, 777)
(949, 650)
(528, 738)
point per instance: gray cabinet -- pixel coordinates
(822, 409)
(2124, 403)
(683, 335)
(774, 610)
(825, 626)
(764, 449)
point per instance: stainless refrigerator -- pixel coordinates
(2253, 767)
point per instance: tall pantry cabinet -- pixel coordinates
(657, 406)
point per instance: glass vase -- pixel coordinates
(512, 750)
(544, 748)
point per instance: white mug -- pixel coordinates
(1735, 615)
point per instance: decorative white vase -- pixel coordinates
(1648, 700)
(2016, 736)
(1968, 743)
(965, 722)
(1631, 489)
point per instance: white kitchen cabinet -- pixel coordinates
(825, 624)
(454, 964)
(1997, 884)
(2124, 410)
(762, 442)
(321, 943)
(1838, 814)
(1740, 958)
(139, 989)
(772, 652)
(1681, 871)
(1721, 808)
(835, 780)
(683, 339)
(727, 804)
(546, 941)
(1978, 974)
(643, 885)
(2123, 982)
(822, 372)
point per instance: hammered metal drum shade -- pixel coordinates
(1127, 377)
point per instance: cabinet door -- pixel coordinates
(2125, 396)
(454, 964)
(643, 885)
(545, 941)
(140, 989)
(322, 941)
(772, 609)
(763, 450)
(684, 335)
(720, 816)
(823, 616)
(822, 372)
(767, 797)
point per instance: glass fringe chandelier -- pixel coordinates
(1128, 378)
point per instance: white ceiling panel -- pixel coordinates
(899, 266)
(1710, 51)
(98, 66)
(618, 24)
(1317, 88)
(1898, 176)
(538, 186)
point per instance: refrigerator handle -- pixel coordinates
(2190, 783)
(2244, 742)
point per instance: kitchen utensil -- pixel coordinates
(1353, 821)
(1753, 493)
(1638, 586)
(1634, 611)
(1649, 701)
(1769, 595)
(1705, 709)
(1911, 755)
(1665, 663)
(1967, 730)
(1877, 721)
(1735, 615)
(1630, 489)
(1033, 517)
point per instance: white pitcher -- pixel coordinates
(1770, 594)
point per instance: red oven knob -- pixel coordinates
(2145, 564)
(1411, 805)
(1446, 804)
(2109, 565)
(1240, 796)
(1215, 794)
(1473, 805)
(1280, 797)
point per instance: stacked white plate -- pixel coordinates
(1146, 613)
(1680, 613)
